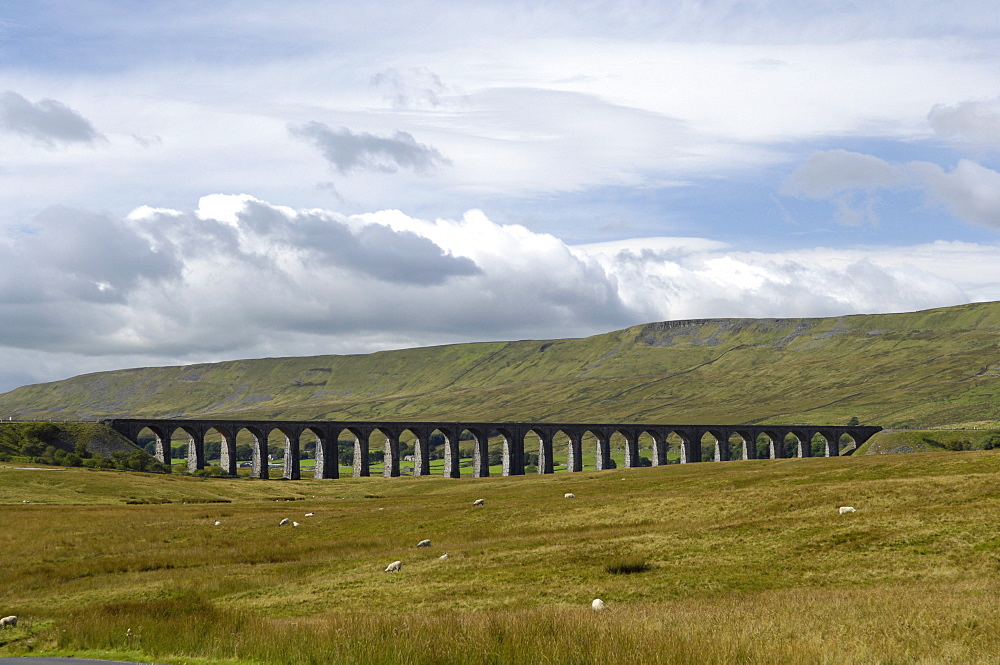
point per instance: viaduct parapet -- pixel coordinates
(513, 435)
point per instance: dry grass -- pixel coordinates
(749, 562)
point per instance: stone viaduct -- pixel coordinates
(513, 434)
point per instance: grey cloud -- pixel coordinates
(147, 141)
(47, 121)
(375, 250)
(975, 123)
(971, 191)
(348, 152)
(829, 172)
(71, 255)
(850, 180)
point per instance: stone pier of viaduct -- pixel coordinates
(513, 435)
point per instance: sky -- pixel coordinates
(184, 181)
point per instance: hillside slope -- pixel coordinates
(933, 368)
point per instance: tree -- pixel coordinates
(853, 422)
(80, 449)
(43, 432)
(244, 452)
(31, 449)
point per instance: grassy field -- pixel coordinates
(748, 562)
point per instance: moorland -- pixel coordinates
(742, 562)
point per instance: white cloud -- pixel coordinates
(238, 277)
(818, 282)
(607, 107)
(412, 88)
(517, 114)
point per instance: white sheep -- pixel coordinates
(847, 509)
(285, 522)
(479, 502)
(598, 604)
(8, 621)
(394, 566)
(424, 543)
(310, 514)
(295, 523)
(569, 495)
(217, 522)
(443, 556)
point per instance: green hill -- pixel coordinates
(935, 368)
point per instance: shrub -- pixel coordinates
(32, 449)
(41, 432)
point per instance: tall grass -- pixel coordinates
(749, 562)
(910, 624)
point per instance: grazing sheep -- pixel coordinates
(310, 514)
(847, 509)
(25, 501)
(598, 604)
(285, 522)
(569, 495)
(424, 543)
(8, 621)
(295, 523)
(394, 566)
(217, 522)
(443, 556)
(479, 502)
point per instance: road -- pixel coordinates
(42, 660)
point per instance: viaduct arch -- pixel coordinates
(328, 432)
